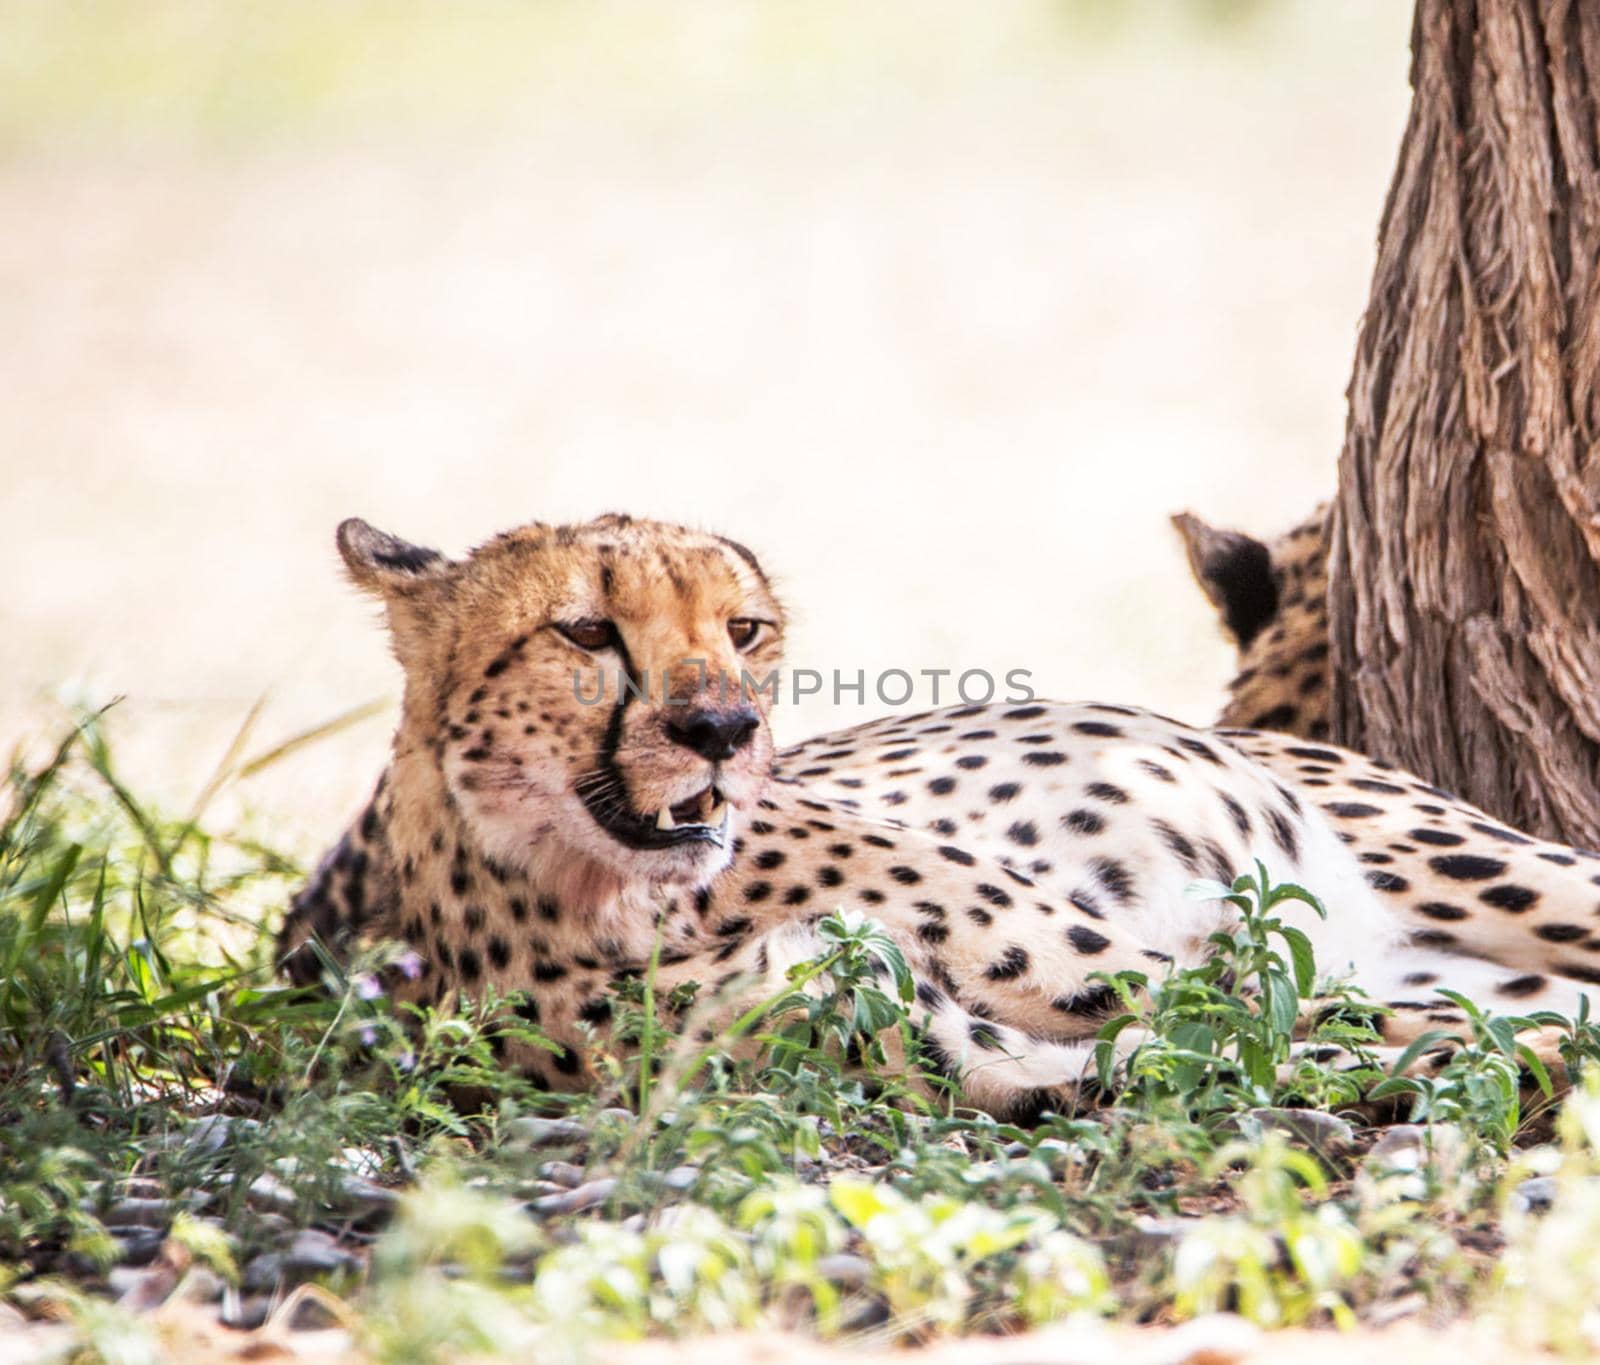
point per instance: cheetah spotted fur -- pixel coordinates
(516, 839)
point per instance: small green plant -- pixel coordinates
(1222, 1036)
(1478, 1085)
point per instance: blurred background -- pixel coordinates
(942, 307)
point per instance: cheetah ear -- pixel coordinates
(384, 564)
(1235, 572)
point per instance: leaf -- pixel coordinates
(858, 1201)
(1417, 1047)
(1283, 1003)
(1394, 1085)
(1303, 956)
(1532, 1062)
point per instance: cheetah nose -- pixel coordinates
(715, 734)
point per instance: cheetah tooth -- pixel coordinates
(719, 813)
(664, 819)
(708, 807)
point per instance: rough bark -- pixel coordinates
(1465, 562)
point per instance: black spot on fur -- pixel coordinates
(1351, 810)
(1086, 940)
(1044, 758)
(1510, 897)
(1105, 791)
(1520, 986)
(1380, 880)
(1009, 966)
(956, 855)
(1466, 867)
(1083, 821)
(1114, 877)
(1504, 835)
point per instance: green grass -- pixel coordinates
(147, 1053)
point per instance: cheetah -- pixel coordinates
(536, 831)
(1273, 602)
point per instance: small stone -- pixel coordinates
(562, 1173)
(681, 1178)
(139, 1213)
(1309, 1127)
(853, 1272)
(268, 1194)
(202, 1285)
(213, 1132)
(537, 1132)
(137, 1246)
(1408, 1148)
(367, 1200)
(262, 1273)
(140, 1289)
(587, 1196)
(247, 1313)
(1536, 1195)
(316, 1253)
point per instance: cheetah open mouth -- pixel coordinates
(699, 819)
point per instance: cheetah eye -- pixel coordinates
(590, 635)
(746, 632)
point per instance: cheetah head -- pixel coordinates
(590, 695)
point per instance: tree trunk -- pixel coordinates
(1465, 548)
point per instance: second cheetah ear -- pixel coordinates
(1235, 571)
(385, 564)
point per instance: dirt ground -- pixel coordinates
(943, 312)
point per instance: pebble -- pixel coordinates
(562, 1173)
(316, 1253)
(368, 1201)
(268, 1194)
(842, 1268)
(586, 1196)
(1535, 1195)
(261, 1273)
(139, 1288)
(681, 1178)
(1310, 1127)
(137, 1246)
(202, 1285)
(537, 1132)
(139, 1213)
(246, 1313)
(1405, 1148)
(214, 1131)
